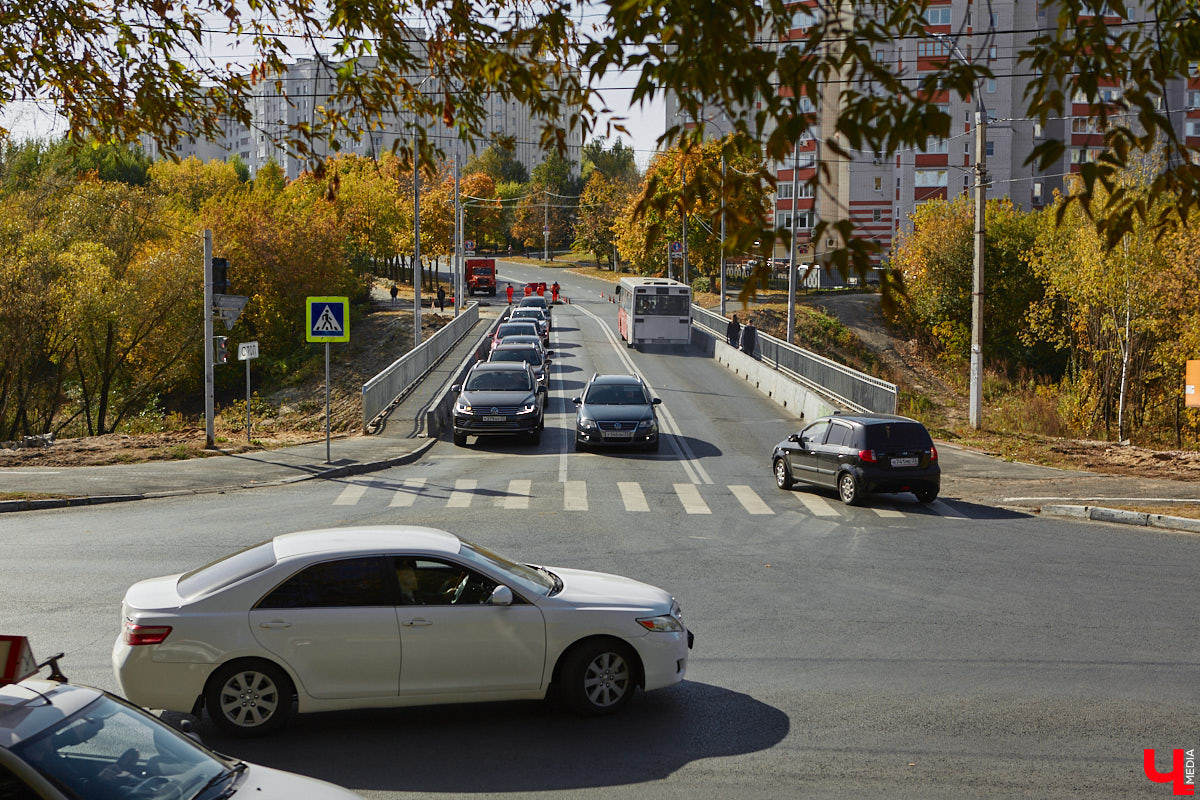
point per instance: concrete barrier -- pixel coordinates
(439, 416)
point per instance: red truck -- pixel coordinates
(481, 275)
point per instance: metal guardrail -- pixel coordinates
(857, 390)
(382, 390)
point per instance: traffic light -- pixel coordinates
(221, 349)
(220, 275)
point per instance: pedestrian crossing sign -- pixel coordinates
(328, 319)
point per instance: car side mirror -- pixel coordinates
(795, 437)
(577, 401)
(656, 401)
(501, 596)
(456, 388)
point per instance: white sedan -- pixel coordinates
(389, 616)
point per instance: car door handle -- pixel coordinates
(416, 623)
(278, 623)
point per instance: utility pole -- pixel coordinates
(976, 404)
(416, 244)
(546, 226)
(456, 244)
(791, 312)
(722, 229)
(683, 210)
(209, 434)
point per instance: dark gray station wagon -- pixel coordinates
(860, 454)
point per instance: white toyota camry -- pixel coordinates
(389, 616)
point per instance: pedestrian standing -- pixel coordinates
(749, 338)
(528, 289)
(554, 291)
(541, 289)
(441, 295)
(395, 290)
(508, 292)
(733, 332)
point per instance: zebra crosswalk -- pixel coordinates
(520, 494)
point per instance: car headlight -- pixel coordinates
(462, 407)
(663, 624)
(529, 408)
(646, 424)
(587, 424)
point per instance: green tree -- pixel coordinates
(600, 205)
(615, 163)
(500, 164)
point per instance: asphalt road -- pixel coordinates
(953, 650)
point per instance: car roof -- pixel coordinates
(31, 706)
(509, 345)
(499, 366)
(365, 540)
(625, 379)
(511, 325)
(865, 418)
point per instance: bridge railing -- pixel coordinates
(858, 390)
(381, 391)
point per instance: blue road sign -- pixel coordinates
(328, 319)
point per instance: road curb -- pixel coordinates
(1123, 517)
(333, 472)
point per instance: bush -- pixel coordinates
(702, 285)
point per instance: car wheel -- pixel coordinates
(926, 495)
(249, 698)
(598, 678)
(783, 476)
(460, 439)
(848, 489)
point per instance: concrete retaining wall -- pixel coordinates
(439, 416)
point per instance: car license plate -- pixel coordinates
(494, 419)
(905, 462)
(618, 434)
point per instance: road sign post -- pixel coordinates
(246, 352)
(328, 321)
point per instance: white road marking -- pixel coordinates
(575, 496)
(632, 497)
(405, 497)
(817, 505)
(750, 500)
(887, 512)
(351, 494)
(464, 490)
(518, 494)
(689, 495)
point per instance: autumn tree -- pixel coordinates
(600, 206)
(550, 201)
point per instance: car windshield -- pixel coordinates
(109, 749)
(508, 380)
(520, 576)
(526, 354)
(226, 571)
(616, 394)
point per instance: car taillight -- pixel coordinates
(145, 634)
(867, 456)
(932, 453)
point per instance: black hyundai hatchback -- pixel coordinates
(860, 454)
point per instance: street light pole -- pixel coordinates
(416, 244)
(791, 311)
(722, 229)
(976, 392)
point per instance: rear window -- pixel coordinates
(510, 328)
(227, 571)
(898, 434)
(528, 355)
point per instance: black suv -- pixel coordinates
(616, 410)
(499, 398)
(859, 454)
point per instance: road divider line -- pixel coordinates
(750, 500)
(632, 497)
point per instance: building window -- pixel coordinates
(1037, 192)
(990, 149)
(1037, 130)
(878, 183)
(785, 190)
(991, 86)
(939, 15)
(877, 215)
(1192, 127)
(805, 17)
(992, 53)
(1193, 99)
(935, 48)
(994, 19)
(934, 147)
(931, 177)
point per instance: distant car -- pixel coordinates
(528, 338)
(379, 617)
(527, 352)
(61, 741)
(511, 328)
(860, 454)
(536, 301)
(616, 410)
(539, 315)
(502, 398)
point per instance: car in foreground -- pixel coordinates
(62, 741)
(499, 398)
(504, 329)
(859, 455)
(527, 353)
(616, 410)
(387, 616)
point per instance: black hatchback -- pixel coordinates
(860, 454)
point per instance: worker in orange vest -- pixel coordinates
(554, 291)
(542, 289)
(528, 290)
(508, 291)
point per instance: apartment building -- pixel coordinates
(294, 98)
(878, 192)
